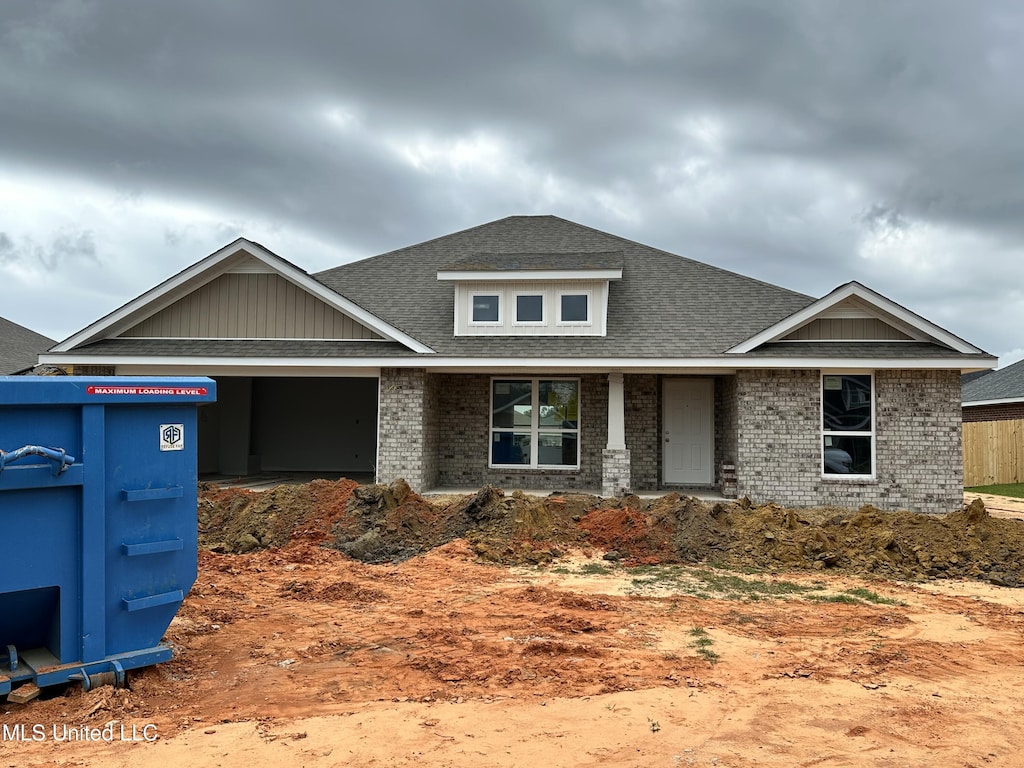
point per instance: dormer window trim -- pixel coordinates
(561, 294)
(473, 296)
(542, 295)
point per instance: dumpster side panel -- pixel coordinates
(41, 578)
(150, 509)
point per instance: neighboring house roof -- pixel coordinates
(663, 310)
(1003, 386)
(19, 347)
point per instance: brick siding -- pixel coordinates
(463, 428)
(1001, 412)
(919, 463)
(407, 435)
(642, 416)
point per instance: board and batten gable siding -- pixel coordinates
(250, 306)
(848, 329)
(551, 290)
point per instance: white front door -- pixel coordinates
(688, 431)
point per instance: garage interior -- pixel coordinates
(325, 426)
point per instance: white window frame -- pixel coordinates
(488, 323)
(543, 309)
(576, 292)
(847, 433)
(535, 428)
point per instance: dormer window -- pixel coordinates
(486, 308)
(533, 294)
(530, 309)
(574, 308)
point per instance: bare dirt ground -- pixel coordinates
(299, 654)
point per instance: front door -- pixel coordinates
(688, 431)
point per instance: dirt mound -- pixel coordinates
(234, 520)
(380, 524)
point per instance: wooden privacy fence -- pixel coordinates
(993, 452)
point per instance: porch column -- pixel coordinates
(615, 475)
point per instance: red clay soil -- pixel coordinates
(386, 524)
(301, 655)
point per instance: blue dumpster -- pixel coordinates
(97, 523)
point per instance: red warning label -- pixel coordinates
(121, 390)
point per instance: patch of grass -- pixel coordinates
(595, 569)
(843, 598)
(705, 583)
(702, 643)
(561, 569)
(872, 597)
(1001, 489)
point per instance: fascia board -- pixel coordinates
(530, 274)
(205, 270)
(875, 300)
(435, 361)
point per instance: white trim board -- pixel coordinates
(721, 365)
(529, 274)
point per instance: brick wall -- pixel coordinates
(643, 430)
(725, 424)
(407, 435)
(919, 465)
(463, 428)
(1002, 412)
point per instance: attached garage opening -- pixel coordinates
(287, 424)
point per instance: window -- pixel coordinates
(574, 308)
(529, 308)
(848, 425)
(485, 308)
(535, 423)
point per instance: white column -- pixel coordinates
(616, 413)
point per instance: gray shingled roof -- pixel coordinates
(664, 305)
(498, 262)
(1005, 384)
(284, 348)
(20, 347)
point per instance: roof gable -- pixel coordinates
(853, 312)
(244, 260)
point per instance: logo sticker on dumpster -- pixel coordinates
(172, 437)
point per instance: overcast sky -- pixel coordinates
(806, 143)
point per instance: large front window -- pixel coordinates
(848, 425)
(535, 423)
